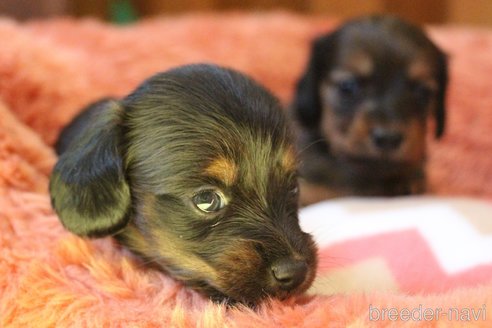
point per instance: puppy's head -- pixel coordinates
(370, 87)
(195, 172)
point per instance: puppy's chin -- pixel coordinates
(371, 157)
(251, 297)
(230, 269)
(241, 278)
(365, 152)
(386, 164)
(248, 298)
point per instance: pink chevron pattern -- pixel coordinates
(409, 258)
(423, 245)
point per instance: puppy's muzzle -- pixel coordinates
(386, 140)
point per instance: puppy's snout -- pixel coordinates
(288, 273)
(385, 139)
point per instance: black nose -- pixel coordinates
(385, 139)
(288, 273)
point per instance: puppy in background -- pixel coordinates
(362, 109)
(196, 173)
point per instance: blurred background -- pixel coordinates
(475, 12)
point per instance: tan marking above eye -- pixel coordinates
(351, 70)
(340, 75)
(289, 159)
(354, 64)
(422, 72)
(223, 169)
(360, 63)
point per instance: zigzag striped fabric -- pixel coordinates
(412, 245)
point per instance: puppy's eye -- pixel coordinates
(348, 87)
(209, 201)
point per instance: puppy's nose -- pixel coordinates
(385, 139)
(288, 273)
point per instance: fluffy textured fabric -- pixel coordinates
(50, 69)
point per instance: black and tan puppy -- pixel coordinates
(362, 108)
(195, 172)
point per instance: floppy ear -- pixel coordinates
(78, 124)
(88, 188)
(307, 102)
(440, 110)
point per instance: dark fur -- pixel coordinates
(368, 86)
(131, 167)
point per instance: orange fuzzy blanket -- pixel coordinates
(50, 69)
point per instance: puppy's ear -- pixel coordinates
(440, 110)
(78, 124)
(88, 188)
(307, 102)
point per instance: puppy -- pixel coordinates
(362, 108)
(195, 172)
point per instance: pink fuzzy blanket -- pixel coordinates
(48, 278)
